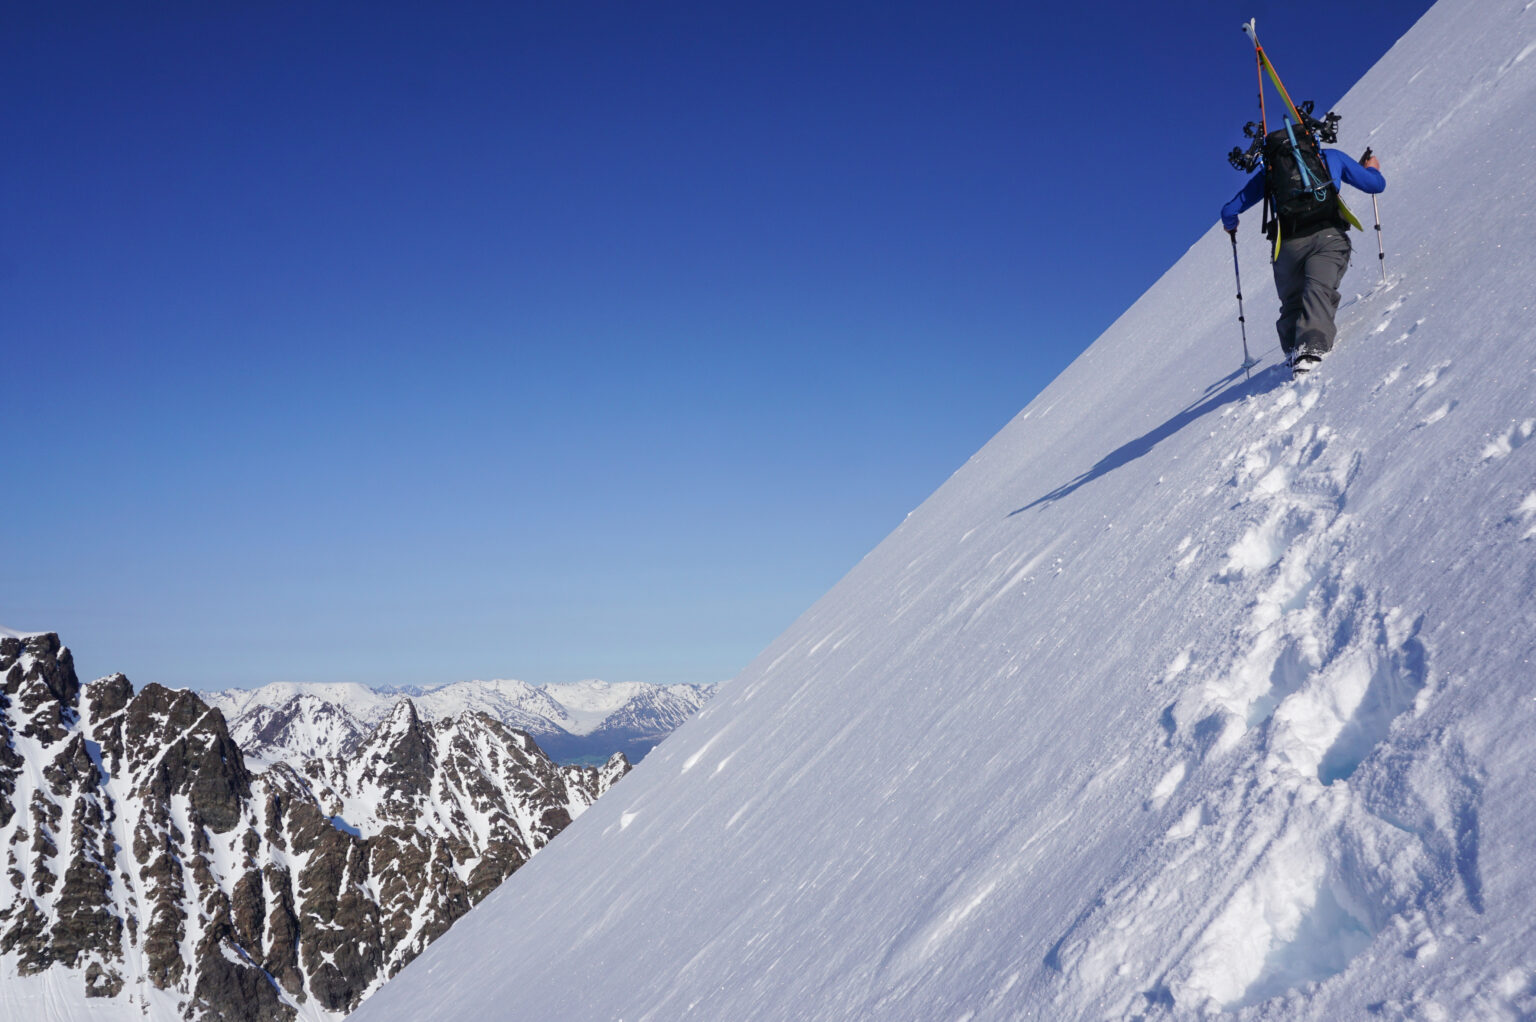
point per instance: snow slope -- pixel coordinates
(1184, 696)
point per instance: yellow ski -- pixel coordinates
(1274, 76)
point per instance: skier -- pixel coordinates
(1311, 258)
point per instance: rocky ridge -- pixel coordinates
(147, 863)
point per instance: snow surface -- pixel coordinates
(55, 996)
(1185, 696)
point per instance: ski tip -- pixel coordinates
(1251, 30)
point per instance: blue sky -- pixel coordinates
(406, 343)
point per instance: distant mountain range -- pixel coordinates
(583, 723)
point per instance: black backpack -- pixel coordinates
(1300, 190)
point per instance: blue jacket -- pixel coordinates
(1343, 169)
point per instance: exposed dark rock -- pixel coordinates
(280, 777)
(197, 758)
(248, 908)
(282, 960)
(342, 954)
(168, 907)
(404, 754)
(72, 769)
(27, 934)
(102, 982)
(107, 700)
(10, 764)
(46, 816)
(107, 696)
(497, 863)
(228, 991)
(84, 920)
(11, 649)
(593, 781)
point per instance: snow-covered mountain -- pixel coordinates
(1185, 697)
(152, 874)
(629, 717)
(517, 703)
(303, 727)
(581, 723)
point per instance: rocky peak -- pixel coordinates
(401, 754)
(172, 743)
(106, 696)
(37, 676)
(611, 772)
(592, 782)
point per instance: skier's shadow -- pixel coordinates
(1232, 387)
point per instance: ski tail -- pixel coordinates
(1344, 211)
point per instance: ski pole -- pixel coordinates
(1242, 321)
(1381, 251)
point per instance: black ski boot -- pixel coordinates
(1303, 362)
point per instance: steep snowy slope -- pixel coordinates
(1183, 695)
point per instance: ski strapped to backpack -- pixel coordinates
(1301, 195)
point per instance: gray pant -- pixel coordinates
(1307, 276)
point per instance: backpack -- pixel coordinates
(1297, 183)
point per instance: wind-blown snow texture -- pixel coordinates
(1184, 694)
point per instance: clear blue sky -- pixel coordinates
(408, 343)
